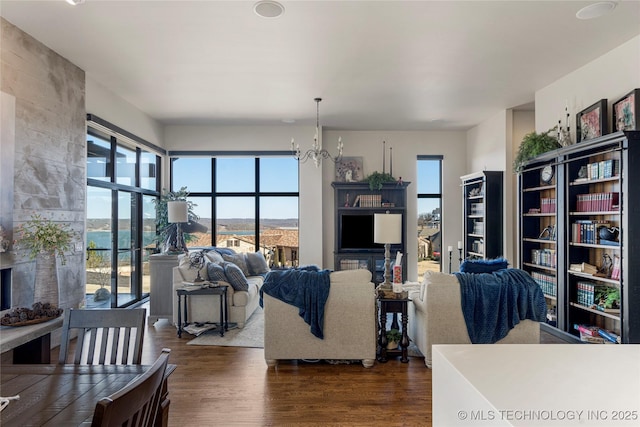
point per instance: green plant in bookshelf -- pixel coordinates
(376, 179)
(533, 144)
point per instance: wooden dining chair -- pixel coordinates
(137, 403)
(105, 337)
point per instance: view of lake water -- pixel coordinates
(102, 239)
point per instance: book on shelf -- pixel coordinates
(583, 267)
(586, 330)
(615, 270)
(368, 201)
(609, 336)
(193, 286)
(598, 202)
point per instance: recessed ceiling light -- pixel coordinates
(268, 9)
(596, 10)
(75, 2)
(289, 121)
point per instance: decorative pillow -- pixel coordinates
(189, 273)
(483, 265)
(237, 259)
(235, 277)
(216, 272)
(213, 256)
(256, 263)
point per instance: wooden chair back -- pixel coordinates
(105, 336)
(137, 403)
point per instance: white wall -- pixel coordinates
(523, 123)
(489, 147)
(406, 147)
(105, 104)
(610, 76)
(486, 144)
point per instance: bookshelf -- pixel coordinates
(596, 225)
(482, 217)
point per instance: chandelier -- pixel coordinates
(316, 152)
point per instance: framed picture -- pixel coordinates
(349, 169)
(626, 110)
(592, 121)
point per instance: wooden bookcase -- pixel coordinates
(355, 204)
(597, 227)
(482, 221)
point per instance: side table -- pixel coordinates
(189, 291)
(393, 305)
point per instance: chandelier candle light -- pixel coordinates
(316, 152)
(177, 213)
(387, 229)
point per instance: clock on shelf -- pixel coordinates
(546, 175)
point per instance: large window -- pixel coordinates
(429, 214)
(122, 183)
(245, 203)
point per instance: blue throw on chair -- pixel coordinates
(494, 303)
(305, 288)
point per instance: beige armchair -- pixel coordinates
(349, 324)
(435, 317)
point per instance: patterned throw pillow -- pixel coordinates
(216, 272)
(256, 263)
(213, 256)
(189, 273)
(237, 259)
(235, 277)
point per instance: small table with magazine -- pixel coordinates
(204, 288)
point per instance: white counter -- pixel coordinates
(536, 385)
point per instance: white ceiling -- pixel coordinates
(379, 65)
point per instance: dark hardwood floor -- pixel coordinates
(232, 386)
(229, 386)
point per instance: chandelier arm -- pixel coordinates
(317, 153)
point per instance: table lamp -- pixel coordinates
(178, 213)
(387, 229)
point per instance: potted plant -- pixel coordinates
(393, 339)
(533, 144)
(376, 179)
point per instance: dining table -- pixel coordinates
(66, 395)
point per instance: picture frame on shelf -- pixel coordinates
(349, 169)
(625, 112)
(592, 121)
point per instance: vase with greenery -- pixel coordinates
(166, 231)
(46, 241)
(533, 144)
(376, 179)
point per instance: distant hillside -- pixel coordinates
(103, 224)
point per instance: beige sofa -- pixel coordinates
(435, 317)
(349, 324)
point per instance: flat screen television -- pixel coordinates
(356, 232)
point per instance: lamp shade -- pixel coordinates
(387, 228)
(177, 211)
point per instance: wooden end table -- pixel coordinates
(189, 291)
(393, 305)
